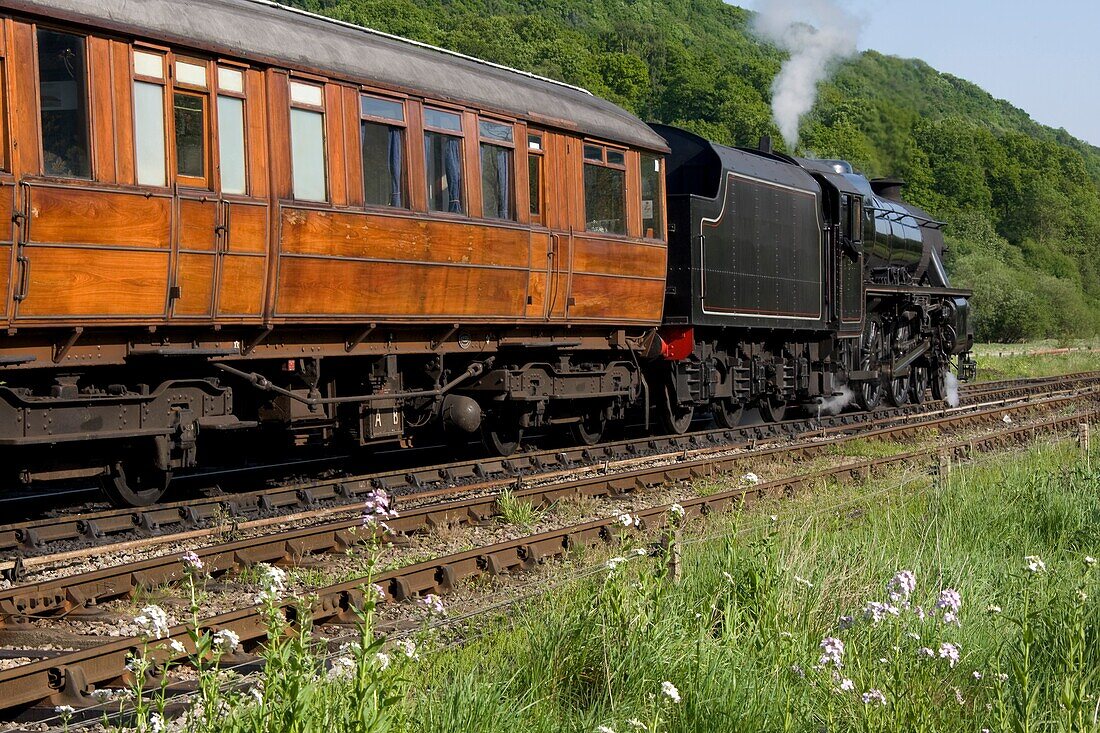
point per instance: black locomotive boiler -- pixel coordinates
(799, 282)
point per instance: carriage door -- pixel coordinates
(221, 232)
(561, 160)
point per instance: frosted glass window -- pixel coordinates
(149, 137)
(231, 144)
(307, 134)
(231, 80)
(192, 74)
(306, 94)
(149, 64)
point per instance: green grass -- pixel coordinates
(518, 511)
(1001, 361)
(740, 635)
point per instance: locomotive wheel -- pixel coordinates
(918, 384)
(675, 419)
(590, 428)
(501, 434)
(727, 412)
(869, 394)
(939, 384)
(133, 482)
(773, 409)
(897, 391)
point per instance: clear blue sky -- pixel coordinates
(1041, 57)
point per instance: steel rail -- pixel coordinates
(71, 677)
(65, 596)
(22, 539)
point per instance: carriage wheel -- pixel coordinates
(134, 481)
(773, 409)
(728, 412)
(590, 428)
(501, 434)
(675, 419)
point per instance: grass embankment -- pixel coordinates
(1035, 359)
(883, 606)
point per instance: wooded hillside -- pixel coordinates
(1022, 199)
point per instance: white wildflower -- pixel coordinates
(913, 636)
(1007, 420)
(751, 478)
(157, 724)
(926, 652)
(257, 695)
(176, 646)
(605, 729)
(846, 685)
(669, 690)
(615, 562)
(902, 585)
(408, 647)
(832, 652)
(341, 667)
(1090, 560)
(876, 611)
(640, 552)
(637, 724)
(191, 561)
(153, 622)
(226, 641)
(949, 600)
(1035, 564)
(64, 710)
(434, 605)
(992, 609)
(950, 652)
(626, 520)
(378, 592)
(1001, 677)
(976, 675)
(798, 670)
(677, 513)
(272, 582)
(774, 517)
(873, 697)
(382, 660)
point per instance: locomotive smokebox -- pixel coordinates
(462, 413)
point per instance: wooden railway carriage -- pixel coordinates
(226, 214)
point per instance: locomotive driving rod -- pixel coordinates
(264, 384)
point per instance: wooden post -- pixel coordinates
(675, 564)
(1083, 442)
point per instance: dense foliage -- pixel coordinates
(1023, 199)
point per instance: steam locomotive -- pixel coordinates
(249, 228)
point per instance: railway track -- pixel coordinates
(68, 677)
(71, 531)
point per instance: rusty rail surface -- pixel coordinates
(37, 537)
(71, 677)
(62, 596)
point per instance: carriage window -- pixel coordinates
(190, 120)
(307, 142)
(231, 145)
(443, 161)
(497, 156)
(604, 191)
(653, 224)
(534, 176)
(382, 133)
(63, 101)
(149, 139)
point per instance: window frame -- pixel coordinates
(425, 108)
(406, 171)
(513, 173)
(163, 81)
(205, 181)
(537, 218)
(605, 148)
(217, 91)
(309, 107)
(87, 93)
(659, 211)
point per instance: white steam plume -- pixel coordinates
(816, 34)
(950, 389)
(834, 403)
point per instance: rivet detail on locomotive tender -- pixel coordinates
(248, 228)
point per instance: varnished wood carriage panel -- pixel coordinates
(73, 215)
(72, 281)
(198, 220)
(195, 278)
(242, 286)
(348, 234)
(340, 287)
(613, 299)
(618, 257)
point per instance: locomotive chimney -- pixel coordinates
(766, 144)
